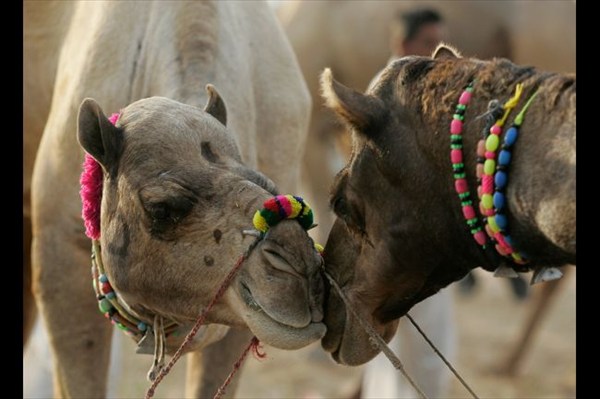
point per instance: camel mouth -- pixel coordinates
(274, 332)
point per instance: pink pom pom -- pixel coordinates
(490, 155)
(496, 130)
(465, 97)
(91, 181)
(456, 126)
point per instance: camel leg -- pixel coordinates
(29, 309)
(539, 308)
(79, 335)
(208, 368)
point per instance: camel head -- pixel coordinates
(400, 234)
(176, 202)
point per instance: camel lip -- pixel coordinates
(248, 298)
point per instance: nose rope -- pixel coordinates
(376, 340)
(274, 210)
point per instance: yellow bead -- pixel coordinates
(487, 201)
(489, 166)
(491, 143)
(493, 225)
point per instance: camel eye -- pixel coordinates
(340, 207)
(348, 214)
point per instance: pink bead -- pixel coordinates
(501, 241)
(456, 156)
(480, 237)
(479, 170)
(500, 250)
(490, 155)
(456, 126)
(496, 129)
(468, 212)
(465, 97)
(461, 186)
(480, 148)
(488, 212)
(487, 184)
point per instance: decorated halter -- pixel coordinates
(492, 174)
(151, 334)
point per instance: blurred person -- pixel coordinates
(417, 32)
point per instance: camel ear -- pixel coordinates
(444, 51)
(359, 110)
(98, 136)
(215, 105)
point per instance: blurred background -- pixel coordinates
(490, 345)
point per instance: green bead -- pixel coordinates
(487, 201)
(489, 167)
(121, 326)
(461, 175)
(456, 137)
(104, 305)
(459, 117)
(472, 222)
(492, 142)
(466, 203)
(458, 166)
(456, 146)
(461, 106)
(464, 195)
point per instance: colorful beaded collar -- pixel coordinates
(492, 175)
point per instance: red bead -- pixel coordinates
(465, 97)
(456, 156)
(480, 237)
(105, 288)
(496, 129)
(490, 155)
(468, 212)
(461, 186)
(456, 126)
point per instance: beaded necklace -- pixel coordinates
(497, 226)
(492, 178)
(456, 156)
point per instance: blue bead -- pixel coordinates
(500, 179)
(511, 136)
(111, 295)
(504, 158)
(103, 278)
(142, 326)
(499, 200)
(501, 221)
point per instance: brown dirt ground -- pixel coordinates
(489, 322)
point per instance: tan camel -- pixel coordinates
(198, 173)
(396, 201)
